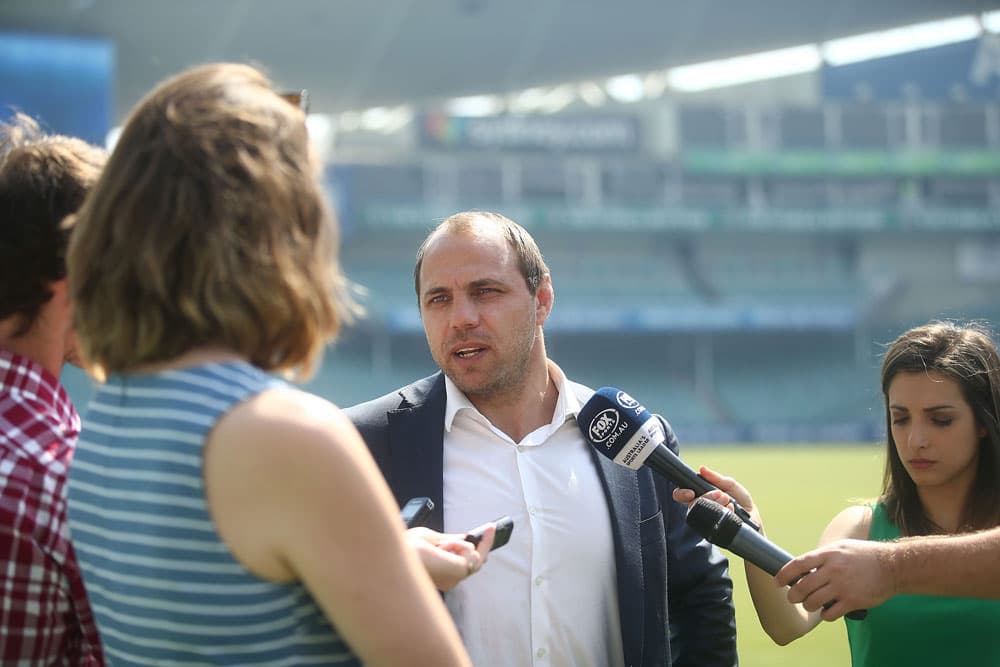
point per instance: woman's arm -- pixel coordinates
(296, 496)
(783, 621)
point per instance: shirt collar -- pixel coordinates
(567, 405)
(24, 376)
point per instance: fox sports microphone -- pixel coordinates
(723, 528)
(619, 427)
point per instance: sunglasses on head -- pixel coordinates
(299, 99)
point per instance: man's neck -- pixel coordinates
(523, 409)
(37, 349)
(44, 342)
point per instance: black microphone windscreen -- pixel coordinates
(619, 427)
(713, 522)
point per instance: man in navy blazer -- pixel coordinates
(498, 426)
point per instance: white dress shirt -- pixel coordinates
(550, 596)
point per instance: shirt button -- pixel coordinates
(520, 448)
(538, 581)
(540, 653)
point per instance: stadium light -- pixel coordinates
(398, 118)
(557, 99)
(914, 37)
(349, 121)
(991, 21)
(320, 128)
(375, 119)
(386, 119)
(475, 105)
(592, 93)
(654, 84)
(625, 88)
(745, 69)
(531, 99)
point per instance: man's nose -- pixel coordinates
(464, 313)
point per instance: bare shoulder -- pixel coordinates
(853, 522)
(279, 466)
(279, 421)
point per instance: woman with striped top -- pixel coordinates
(221, 516)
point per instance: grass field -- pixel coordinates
(799, 488)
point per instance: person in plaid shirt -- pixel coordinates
(45, 618)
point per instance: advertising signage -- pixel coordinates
(675, 219)
(595, 133)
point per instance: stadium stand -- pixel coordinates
(740, 280)
(734, 258)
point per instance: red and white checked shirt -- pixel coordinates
(45, 618)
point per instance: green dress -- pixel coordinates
(918, 630)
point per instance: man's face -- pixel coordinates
(481, 321)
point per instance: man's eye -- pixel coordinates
(900, 420)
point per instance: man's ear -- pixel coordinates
(544, 298)
(60, 287)
(60, 293)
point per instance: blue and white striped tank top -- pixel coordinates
(164, 587)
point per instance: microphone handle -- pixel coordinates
(668, 464)
(743, 514)
(761, 552)
(769, 557)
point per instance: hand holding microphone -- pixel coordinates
(709, 518)
(723, 528)
(622, 429)
(726, 491)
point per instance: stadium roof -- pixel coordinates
(354, 54)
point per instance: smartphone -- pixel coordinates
(415, 511)
(505, 526)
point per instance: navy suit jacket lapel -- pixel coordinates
(621, 490)
(416, 446)
(622, 493)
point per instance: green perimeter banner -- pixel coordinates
(843, 163)
(420, 217)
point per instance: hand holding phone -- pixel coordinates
(505, 526)
(416, 510)
(448, 558)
